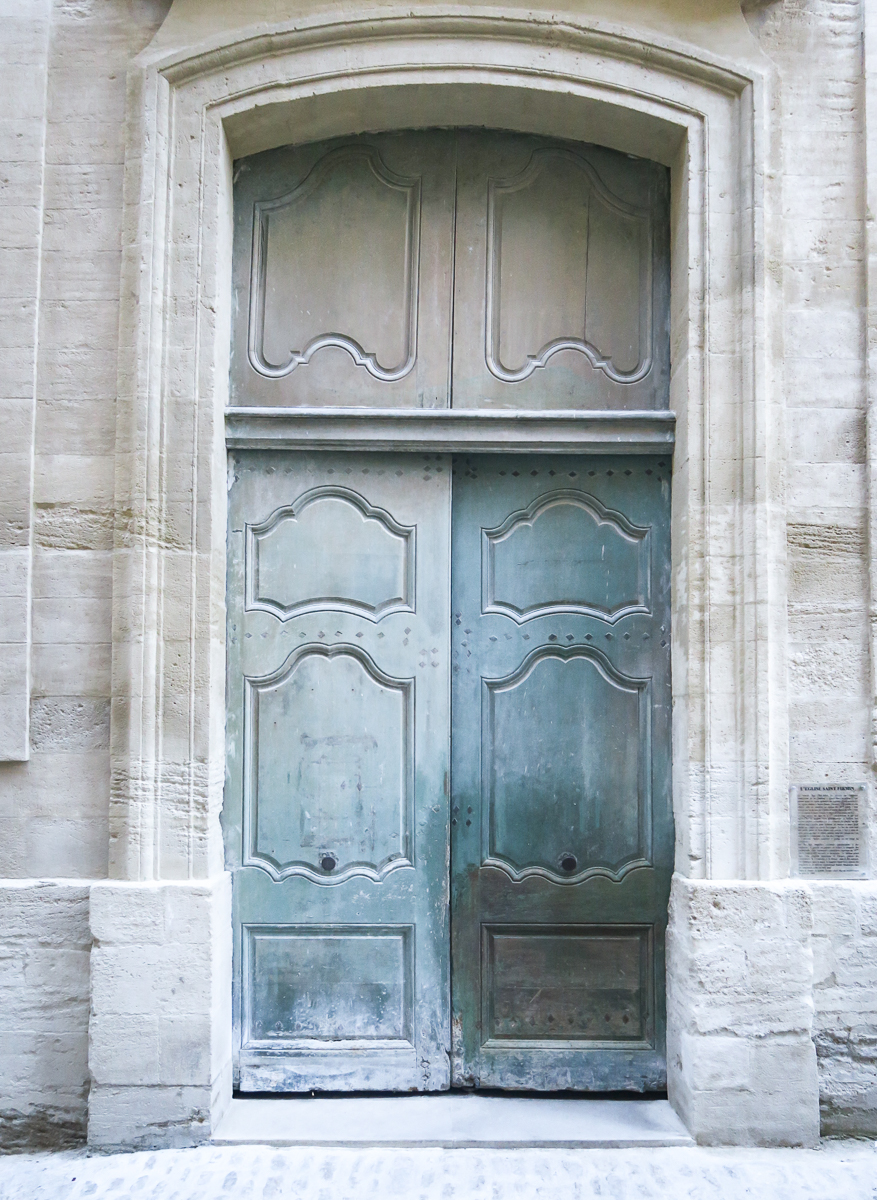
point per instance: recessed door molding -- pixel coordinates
(655, 98)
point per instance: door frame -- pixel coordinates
(199, 100)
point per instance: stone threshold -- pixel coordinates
(450, 1120)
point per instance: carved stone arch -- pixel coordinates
(241, 95)
(201, 96)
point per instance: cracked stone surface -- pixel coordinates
(838, 1171)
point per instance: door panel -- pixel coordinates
(561, 276)
(350, 257)
(343, 260)
(336, 802)
(561, 823)
(563, 727)
(558, 984)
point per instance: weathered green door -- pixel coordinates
(470, 273)
(562, 834)
(338, 733)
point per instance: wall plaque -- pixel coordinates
(828, 831)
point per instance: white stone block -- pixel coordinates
(86, 422)
(145, 1117)
(73, 478)
(130, 981)
(836, 485)
(759, 1017)
(69, 723)
(719, 1062)
(44, 988)
(14, 740)
(185, 1045)
(161, 965)
(140, 1063)
(71, 670)
(127, 915)
(75, 848)
(867, 897)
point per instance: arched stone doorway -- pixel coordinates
(194, 109)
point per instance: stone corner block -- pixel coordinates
(155, 1117)
(158, 912)
(160, 1036)
(741, 1061)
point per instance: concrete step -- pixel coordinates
(450, 1120)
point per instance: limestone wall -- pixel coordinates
(44, 1005)
(818, 48)
(63, 65)
(53, 809)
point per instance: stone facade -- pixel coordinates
(118, 123)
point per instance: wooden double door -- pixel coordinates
(447, 809)
(448, 812)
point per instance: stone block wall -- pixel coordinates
(845, 1004)
(89, 45)
(45, 946)
(817, 46)
(62, 110)
(23, 64)
(160, 1029)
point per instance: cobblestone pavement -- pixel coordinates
(839, 1171)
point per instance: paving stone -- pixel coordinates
(838, 1171)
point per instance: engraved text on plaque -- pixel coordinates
(828, 831)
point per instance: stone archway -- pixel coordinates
(162, 921)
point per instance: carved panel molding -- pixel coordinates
(370, 574)
(293, 293)
(557, 786)
(595, 552)
(610, 243)
(566, 985)
(337, 756)
(296, 985)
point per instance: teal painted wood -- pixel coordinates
(562, 829)
(561, 276)
(343, 269)
(357, 263)
(336, 810)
